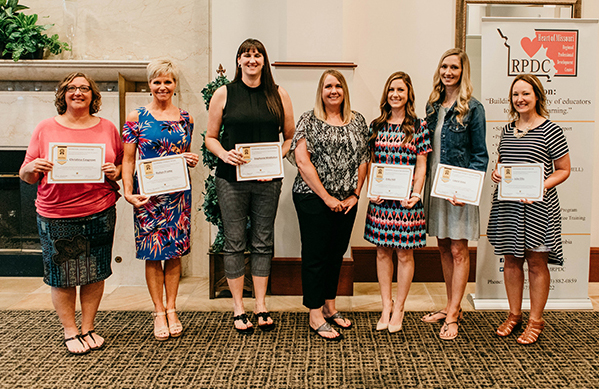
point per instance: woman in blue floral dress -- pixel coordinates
(398, 137)
(162, 222)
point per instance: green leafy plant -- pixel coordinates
(210, 206)
(21, 35)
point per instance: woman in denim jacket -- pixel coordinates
(456, 122)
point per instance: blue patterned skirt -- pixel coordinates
(77, 251)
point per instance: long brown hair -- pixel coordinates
(465, 91)
(271, 90)
(537, 87)
(407, 127)
(319, 110)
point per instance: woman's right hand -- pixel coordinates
(39, 166)
(232, 157)
(376, 200)
(137, 200)
(495, 176)
(334, 204)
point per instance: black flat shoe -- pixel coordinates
(264, 316)
(93, 346)
(80, 339)
(338, 316)
(244, 318)
(326, 327)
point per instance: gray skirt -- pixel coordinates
(77, 251)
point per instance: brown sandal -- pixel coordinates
(513, 322)
(532, 331)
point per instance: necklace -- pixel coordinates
(518, 133)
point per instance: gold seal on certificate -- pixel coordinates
(390, 182)
(521, 181)
(465, 184)
(162, 175)
(264, 161)
(76, 163)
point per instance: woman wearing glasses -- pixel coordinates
(75, 221)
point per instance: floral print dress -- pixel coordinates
(162, 225)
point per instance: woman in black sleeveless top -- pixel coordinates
(251, 109)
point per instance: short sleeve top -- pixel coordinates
(335, 151)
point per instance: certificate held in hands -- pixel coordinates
(263, 161)
(162, 175)
(521, 181)
(465, 184)
(390, 182)
(76, 163)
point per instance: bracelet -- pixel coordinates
(416, 195)
(354, 194)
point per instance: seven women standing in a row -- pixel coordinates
(332, 153)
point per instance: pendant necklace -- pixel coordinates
(520, 133)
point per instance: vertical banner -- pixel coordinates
(563, 54)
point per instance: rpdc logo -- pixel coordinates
(550, 53)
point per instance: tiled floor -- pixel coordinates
(32, 293)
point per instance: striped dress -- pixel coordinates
(389, 224)
(513, 226)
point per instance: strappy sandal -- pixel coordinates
(244, 318)
(338, 316)
(266, 326)
(430, 317)
(90, 334)
(83, 343)
(160, 333)
(531, 332)
(326, 327)
(445, 328)
(174, 329)
(513, 322)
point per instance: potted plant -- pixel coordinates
(22, 37)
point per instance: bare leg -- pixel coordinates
(260, 286)
(236, 288)
(172, 275)
(90, 296)
(539, 280)
(459, 279)
(63, 300)
(405, 274)
(155, 282)
(317, 319)
(513, 276)
(384, 271)
(447, 266)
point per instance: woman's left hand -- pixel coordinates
(409, 203)
(111, 171)
(191, 158)
(349, 203)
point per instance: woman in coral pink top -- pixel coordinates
(76, 221)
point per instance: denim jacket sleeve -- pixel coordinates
(479, 157)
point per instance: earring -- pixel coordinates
(238, 65)
(175, 93)
(150, 93)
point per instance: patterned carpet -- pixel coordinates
(212, 355)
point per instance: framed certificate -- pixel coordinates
(521, 181)
(162, 175)
(390, 182)
(465, 184)
(76, 163)
(264, 161)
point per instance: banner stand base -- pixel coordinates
(557, 304)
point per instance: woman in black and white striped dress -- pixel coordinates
(529, 231)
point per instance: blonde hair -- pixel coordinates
(465, 88)
(158, 67)
(407, 127)
(319, 110)
(537, 87)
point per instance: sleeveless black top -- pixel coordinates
(246, 119)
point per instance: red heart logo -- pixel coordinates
(531, 47)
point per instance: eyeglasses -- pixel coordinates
(82, 88)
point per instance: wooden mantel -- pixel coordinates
(299, 64)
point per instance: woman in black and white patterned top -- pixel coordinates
(525, 230)
(330, 149)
